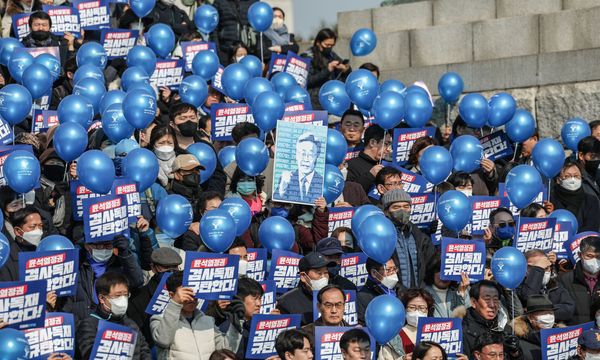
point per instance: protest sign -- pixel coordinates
(496, 146)
(297, 106)
(212, 276)
(354, 268)
(539, 199)
(422, 212)
(93, 14)
(23, 304)
(37, 51)
(298, 67)
(284, 270)
(42, 121)
(57, 336)
(59, 268)
(269, 299)
(277, 63)
(460, 256)
(216, 81)
(327, 342)
(561, 342)
(403, 141)
(225, 116)
(306, 117)
(128, 190)
(79, 193)
(562, 230)
(189, 50)
(168, 73)
(482, 207)
(42, 103)
(257, 264)
(161, 298)
(20, 25)
(299, 162)
(413, 183)
(263, 332)
(64, 19)
(353, 152)
(339, 217)
(534, 233)
(445, 331)
(5, 151)
(572, 245)
(104, 218)
(114, 341)
(118, 42)
(350, 315)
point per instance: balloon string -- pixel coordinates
(481, 130)
(23, 197)
(512, 299)
(13, 134)
(382, 148)
(262, 56)
(66, 171)
(448, 107)
(515, 154)
(549, 184)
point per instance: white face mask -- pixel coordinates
(277, 23)
(243, 267)
(33, 237)
(412, 317)
(164, 152)
(101, 255)
(390, 281)
(467, 192)
(571, 184)
(546, 278)
(317, 285)
(118, 306)
(239, 58)
(545, 321)
(591, 266)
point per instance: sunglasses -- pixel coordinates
(505, 224)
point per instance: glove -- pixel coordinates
(236, 312)
(433, 227)
(511, 345)
(121, 243)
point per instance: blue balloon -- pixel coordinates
(573, 131)
(450, 86)
(15, 103)
(333, 183)
(336, 147)
(564, 215)
(51, 63)
(205, 64)
(206, 156)
(509, 267)
(114, 124)
(267, 109)
(217, 230)
(276, 232)
(523, 184)
(388, 109)
(54, 243)
(360, 214)
(141, 165)
(141, 8)
(474, 110)
(385, 317)
(436, 164)
(467, 153)
(22, 171)
(193, 90)
(234, 79)
(502, 109)
(139, 108)
(521, 127)
(297, 94)
(260, 16)
(91, 53)
(253, 65)
(548, 157)
(19, 61)
(392, 85)
(418, 108)
(333, 97)
(4, 248)
(92, 90)
(96, 171)
(227, 155)
(132, 75)
(206, 18)
(38, 80)
(109, 98)
(282, 83)
(252, 156)
(240, 212)
(374, 236)
(8, 48)
(77, 109)
(454, 210)
(161, 39)
(70, 141)
(362, 87)
(174, 215)
(86, 71)
(146, 88)
(255, 87)
(363, 42)
(143, 57)
(14, 344)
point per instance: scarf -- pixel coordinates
(571, 200)
(279, 36)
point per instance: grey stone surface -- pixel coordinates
(506, 37)
(342, 47)
(579, 4)
(570, 30)
(388, 19)
(441, 45)
(428, 74)
(447, 12)
(569, 66)
(506, 8)
(350, 21)
(392, 51)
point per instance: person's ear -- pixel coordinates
(18, 231)
(380, 188)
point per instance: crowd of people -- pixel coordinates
(116, 279)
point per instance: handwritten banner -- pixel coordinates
(57, 268)
(284, 270)
(462, 256)
(263, 332)
(212, 276)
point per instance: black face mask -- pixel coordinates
(185, 189)
(326, 51)
(118, 161)
(191, 180)
(40, 35)
(188, 128)
(54, 173)
(591, 166)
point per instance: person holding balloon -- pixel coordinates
(502, 229)
(65, 84)
(364, 168)
(190, 240)
(164, 12)
(588, 156)
(40, 35)
(163, 143)
(277, 39)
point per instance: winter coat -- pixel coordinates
(425, 252)
(369, 292)
(233, 26)
(359, 171)
(529, 339)
(574, 283)
(453, 301)
(297, 301)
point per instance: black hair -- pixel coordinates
(188, 36)
(204, 119)
(488, 338)
(327, 288)
(594, 124)
(243, 129)
(249, 287)
(17, 219)
(592, 242)
(371, 67)
(222, 355)
(235, 47)
(373, 265)
(374, 132)
(290, 341)
(158, 132)
(588, 144)
(354, 335)
(323, 35)
(108, 280)
(275, 8)
(239, 174)
(418, 145)
(205, 197)
(39, 15)
(386, 172)
(531, 210)
(174, 281)
(352, 112)
(423, 347)
(71, 65)
(460, 179)
(413, 293)
(180, 108)
(476, 288)
(237, 242)
(499, 210)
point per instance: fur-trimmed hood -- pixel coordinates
(523, 329)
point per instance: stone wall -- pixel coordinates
(544, 52)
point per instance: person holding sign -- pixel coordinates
(382, 279)
(40, 35)
(449, 298)
(364, 168)
(539, 315)
(588, 345)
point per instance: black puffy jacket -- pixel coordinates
(233, 26)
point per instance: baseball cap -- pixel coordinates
(314, 260)
(329, 246)
(590, 339)
(186, 162)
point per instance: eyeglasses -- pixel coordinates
(421, 308)
(494, 355)
(330, 306)
(505, 224)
